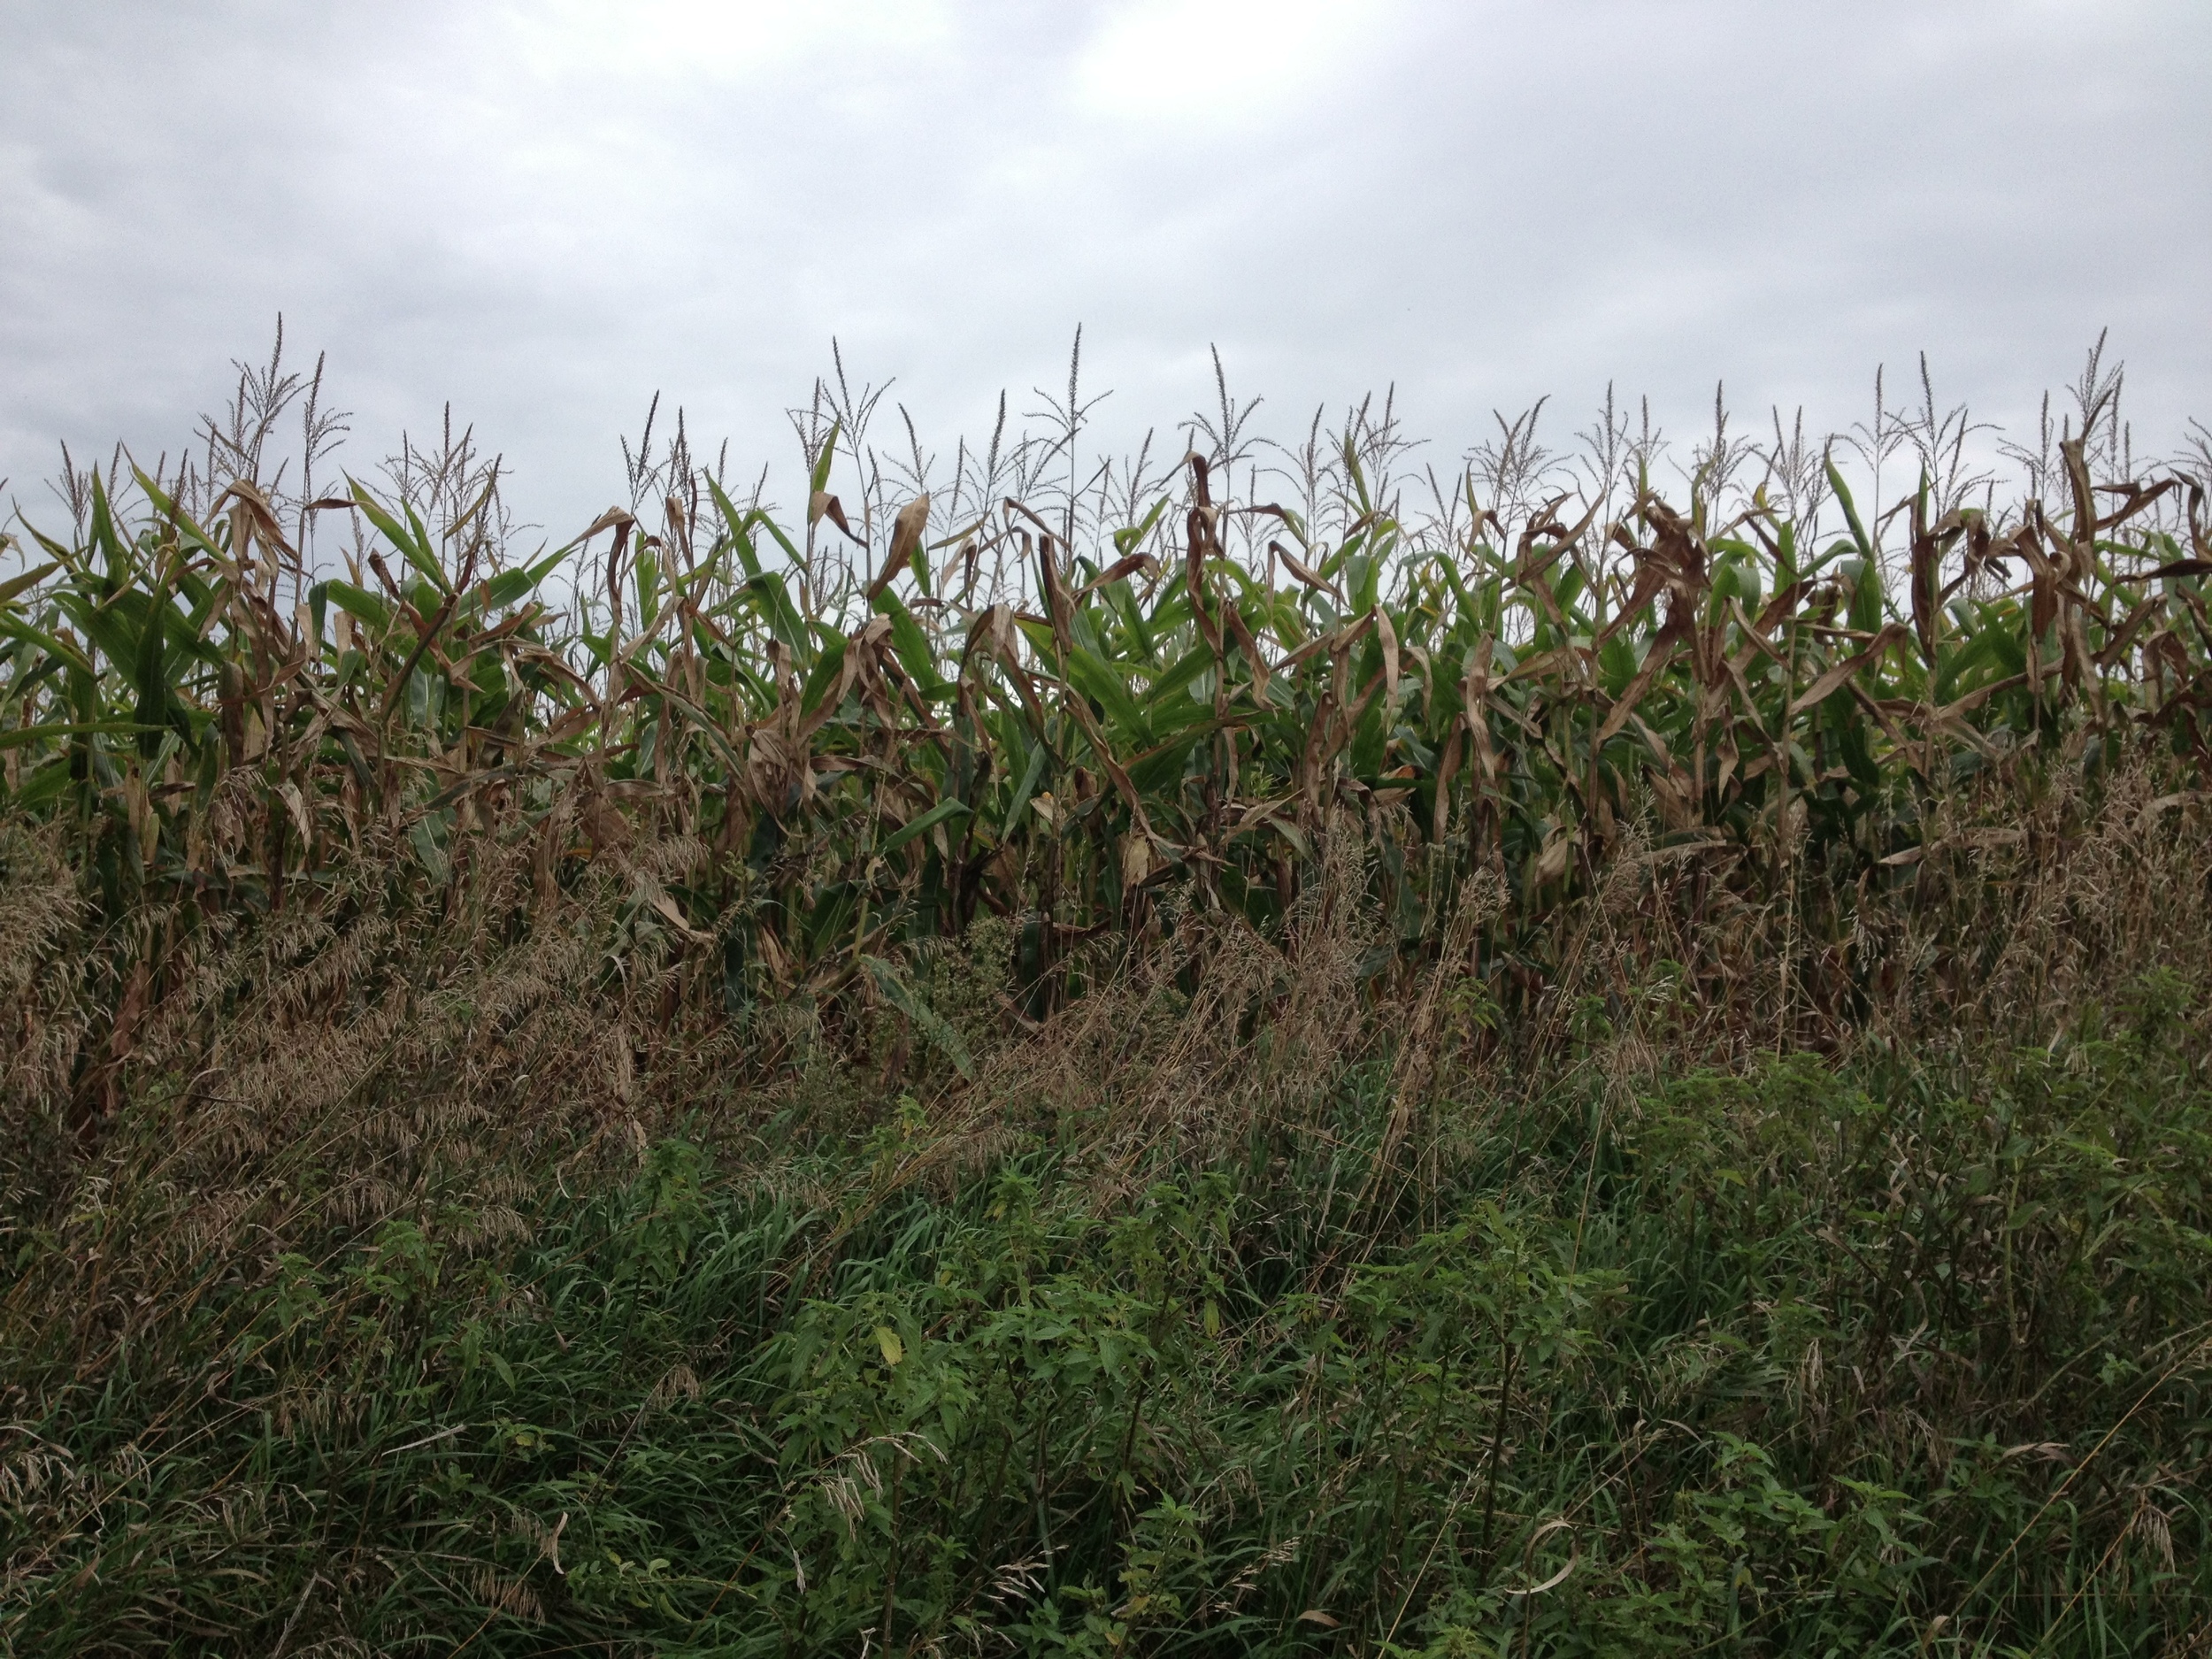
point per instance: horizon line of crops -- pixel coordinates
(869, 751)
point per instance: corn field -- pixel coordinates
(867, 729)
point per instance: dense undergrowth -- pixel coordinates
(1526, 1079)
(1908, 1357)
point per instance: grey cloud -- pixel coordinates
(1482, 203)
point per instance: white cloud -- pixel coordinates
(1210, 64)
(716, 40)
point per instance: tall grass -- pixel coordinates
(1784, 1361)
(1201, 1058)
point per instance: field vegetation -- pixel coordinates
(1289, 1050)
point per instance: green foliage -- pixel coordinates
(1899, 1360)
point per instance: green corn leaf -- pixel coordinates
(361, 605)
(1123, 601)
(417, 552)
(780, 614)
(820, 480)
(54, 647)
(509, 587)
(1866, 593)
(121, 567)
(111, 628)
(1186, 672)
(734, 525)
(1097, 680)
(911, 647)
(921, 825)
(1032, 774)
(152, 677)
(188, 531)
(1850, 508)
(430, 848)
(1170, 611)
(827, 667)
(894, 989)
(20, 736)
(24, 583)
(1131, 536)
(1155, 772)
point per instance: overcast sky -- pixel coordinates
(546, 212)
